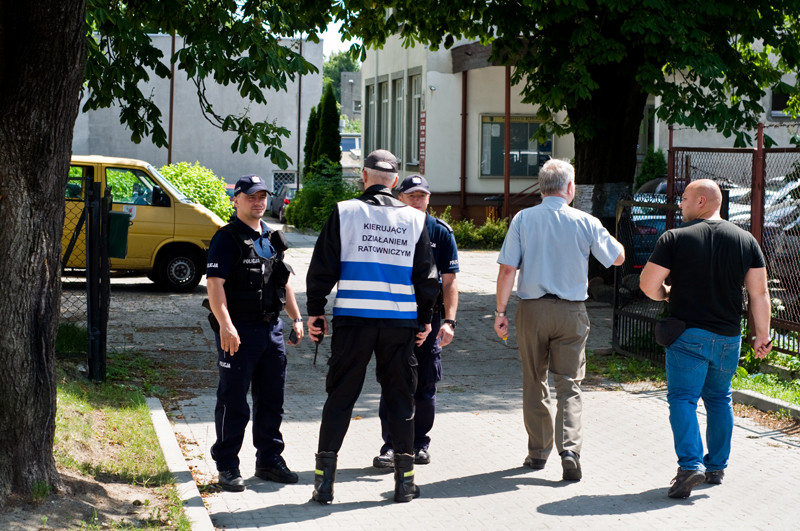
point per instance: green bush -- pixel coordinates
(323, 187)
(490, 235)
(654, 166)
(200, 185)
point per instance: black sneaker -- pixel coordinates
(385, 460)
(231, 480)
(421, 456)
(684, 482)
(536, 464)
(715, 476)
(278, 472)
(571, 466)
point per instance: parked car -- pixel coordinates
(277, 207)
(168, 234)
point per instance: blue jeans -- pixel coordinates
(701, 364)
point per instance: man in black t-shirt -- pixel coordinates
(708, 260)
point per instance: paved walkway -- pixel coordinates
(475, 479)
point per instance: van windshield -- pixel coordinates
(177, 194)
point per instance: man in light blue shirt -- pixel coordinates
(550, 245)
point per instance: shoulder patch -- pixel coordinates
(444, 224)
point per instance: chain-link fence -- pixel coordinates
(73, 245)
(85, 283)
(740, 173)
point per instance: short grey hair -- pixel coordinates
(378, 176)
(554, 176)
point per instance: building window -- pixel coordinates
(397, 114)
(414, 110)
(779, 104)
(356, 105)
(369, 125)
(383, 115)
(527, 155)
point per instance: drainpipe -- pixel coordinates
(171, 99)
(507, 147)
(299, 117)
(463, 195)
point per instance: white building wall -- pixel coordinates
(194, 138)
(442, 95)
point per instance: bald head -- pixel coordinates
(702, 199)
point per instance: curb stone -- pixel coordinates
(193, 504)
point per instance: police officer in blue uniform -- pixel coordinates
(247, 289)
(378, 251)
(415, 191)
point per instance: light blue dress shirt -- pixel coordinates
(550, 245)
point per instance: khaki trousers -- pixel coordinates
(552, 334)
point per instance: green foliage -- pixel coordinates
(312, 128)
(71, 339)
(121, 183)
(327, 143)
(323, 187)
(201, 185)
(40, 491)
(654, 166)
(350, 126)
(490, 235)
(624, 369)
(768, 385)
(333, 68)
(229, 43)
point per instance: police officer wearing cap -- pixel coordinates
(378, 251)
(247, 289)
(415, 192)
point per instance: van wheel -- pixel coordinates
(282, 215)
(179, 271)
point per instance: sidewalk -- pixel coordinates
(475, 479)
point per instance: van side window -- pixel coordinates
(130, 186)
(74, 189)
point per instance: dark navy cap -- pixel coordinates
(250, 184)
(414, 183)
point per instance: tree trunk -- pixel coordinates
(605, 144)
(42, 62)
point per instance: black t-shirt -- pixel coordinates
(708, 260)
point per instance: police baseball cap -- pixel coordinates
(250, 184)
(381, 160)
(414, 183)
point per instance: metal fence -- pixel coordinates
(761, 188)
(85, 279)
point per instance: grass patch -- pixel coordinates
(104, 431)
(768, 385)
(71, 339)
(624, 369)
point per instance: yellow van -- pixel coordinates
(168, 235)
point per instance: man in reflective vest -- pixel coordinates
(378, 251)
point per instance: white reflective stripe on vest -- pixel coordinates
(377, 259)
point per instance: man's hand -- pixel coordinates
(229, 339)
(501, 327)
(445, 335)
(423, 334)
(761, 347)
(316, 330)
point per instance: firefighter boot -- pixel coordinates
(324, 474)
(404, 488)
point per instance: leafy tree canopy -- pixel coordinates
(236, 42)
(334, 66)
(710, 62)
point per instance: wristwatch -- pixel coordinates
(298, 320)
(451, 322)
(499, 314)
